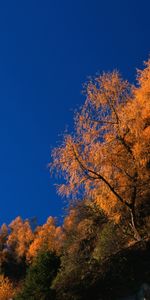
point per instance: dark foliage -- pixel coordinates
(39, 278)
(14, 269)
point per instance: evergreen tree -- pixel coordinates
(39, 278)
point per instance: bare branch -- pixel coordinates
(100, 177)
(103, 122)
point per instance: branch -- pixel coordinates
(123, 171)
(99, 177)
(113, 109)
(123, 142)
(103, 122)
(134, 193)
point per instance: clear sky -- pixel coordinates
(47, 50)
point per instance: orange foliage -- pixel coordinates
(20, 237)
(47, 237)
(108, 158)
(3, 240)
(7, 290)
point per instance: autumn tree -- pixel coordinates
(108, 157)
(3, 242)
(20, 237)
(82, 227)
(47, 237)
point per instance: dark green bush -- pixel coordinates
(39, 277)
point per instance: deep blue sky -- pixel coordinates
(47, 50)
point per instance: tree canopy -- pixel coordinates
(108, 156)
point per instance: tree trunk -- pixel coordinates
(134, 225)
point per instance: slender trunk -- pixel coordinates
(132, 209)
(134, 224)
